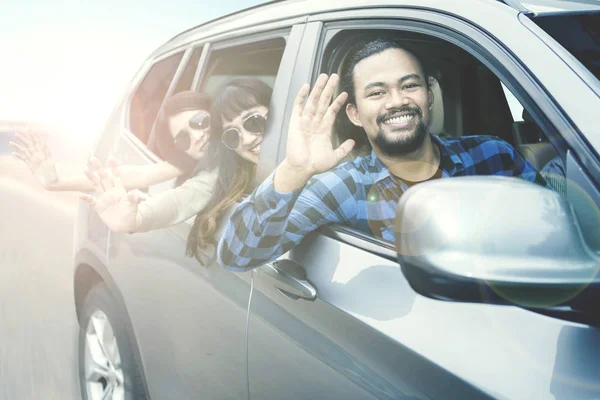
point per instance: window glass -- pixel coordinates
(187, 77)
(578, 34)
(150, 94)
(257, 60)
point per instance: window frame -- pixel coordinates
(292, 35)
(472, 39)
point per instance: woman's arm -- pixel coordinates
(128, 212)
(142, 176)
(36, 155)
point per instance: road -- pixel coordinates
(38, 329)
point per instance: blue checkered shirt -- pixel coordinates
(361, 194)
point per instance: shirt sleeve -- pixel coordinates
(268, 223)
(176, 205)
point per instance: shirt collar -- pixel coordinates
(450, 162)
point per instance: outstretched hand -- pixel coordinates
(117, 208)
(309, 149)
(309, 136)
(30, 149)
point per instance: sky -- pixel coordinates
(66, 62)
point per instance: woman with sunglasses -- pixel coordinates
(180, 136)
(239, 121)
(185, 144)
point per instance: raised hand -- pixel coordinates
(117, 208)
(35, 154)
(309, 135)
(309, 149)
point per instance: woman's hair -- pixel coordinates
(235, 173)
(165, 147)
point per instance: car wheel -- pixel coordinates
(107, 366)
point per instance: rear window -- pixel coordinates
(579, 34)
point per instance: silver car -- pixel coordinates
(500, 300)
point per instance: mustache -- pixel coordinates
(392, 111)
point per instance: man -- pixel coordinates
(389, 97)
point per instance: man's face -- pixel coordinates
(392, 101)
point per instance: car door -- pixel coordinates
(179, 309)
(336, 318)
(310, 331)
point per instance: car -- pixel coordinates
(500, 302)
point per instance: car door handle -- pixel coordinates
(291, 279)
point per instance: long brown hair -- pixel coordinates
(236, 174)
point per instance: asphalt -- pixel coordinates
(38, 329)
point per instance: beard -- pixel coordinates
(401, 146)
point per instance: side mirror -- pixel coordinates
(495, 240)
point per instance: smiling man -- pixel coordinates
(389, 97)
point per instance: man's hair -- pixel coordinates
(367, 49)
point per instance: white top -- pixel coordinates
(176, 205)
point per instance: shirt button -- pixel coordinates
(272, 204)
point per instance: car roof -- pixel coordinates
(280, 10)
(551, 7)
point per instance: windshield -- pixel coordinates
(579, 34)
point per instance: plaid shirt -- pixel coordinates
(361, 194)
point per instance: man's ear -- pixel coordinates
(352, 114)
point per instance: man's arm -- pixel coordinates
(270, 223)
(279, 214)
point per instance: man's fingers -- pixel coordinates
(96, 184)
(310, 108)
(332, 110)
(300, 99)
(326, 96)
(341, 152)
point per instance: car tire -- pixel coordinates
(107, 364)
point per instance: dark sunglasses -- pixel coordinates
(199, 121)
(255, 124)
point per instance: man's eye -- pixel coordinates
(411, 86)
(376, 93)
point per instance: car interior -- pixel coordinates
(468, 97)
(258, 60)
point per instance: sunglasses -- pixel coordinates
(200, 121)
(255, 124)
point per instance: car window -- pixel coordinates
(149, 95)
(259, 59)
(187, 77)
(579, 34)
(469, 100)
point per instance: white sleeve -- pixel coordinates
(176, 205)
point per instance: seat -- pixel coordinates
(527, 131)
(538, 154)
